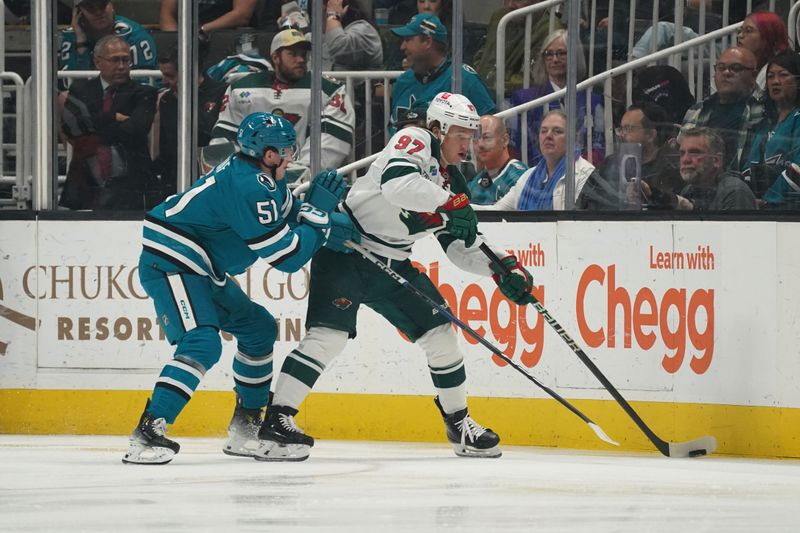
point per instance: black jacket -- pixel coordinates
(88, 127)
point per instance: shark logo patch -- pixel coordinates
(268, 182)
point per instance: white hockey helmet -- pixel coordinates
(449, 109)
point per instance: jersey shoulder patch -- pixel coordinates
(268, 182)
(122, 28)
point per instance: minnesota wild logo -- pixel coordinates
(417, 222)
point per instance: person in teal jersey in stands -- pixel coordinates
(777, 139)
(498, 171)
(431, 71)
(93, 19)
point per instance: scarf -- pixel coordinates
(538, 192)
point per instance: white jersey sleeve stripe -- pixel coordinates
(188, 196)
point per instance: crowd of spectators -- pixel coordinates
(126, 141)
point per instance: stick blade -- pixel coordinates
(693, 448)
(602, 434)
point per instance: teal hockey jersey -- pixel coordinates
(232, 216)
(143, 48)
(410, 88)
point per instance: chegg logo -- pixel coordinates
(511, 325)
(679, 317)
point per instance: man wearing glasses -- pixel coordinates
(708, 186)
(735, 109)
(106, 121)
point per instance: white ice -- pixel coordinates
(70, 483)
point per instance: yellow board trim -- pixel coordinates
(739, 430)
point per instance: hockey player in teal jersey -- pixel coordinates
(411, 191)
(192, 243)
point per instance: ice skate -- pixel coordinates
(148, 445)
(243, 431)
(281, 438)
(469, 439)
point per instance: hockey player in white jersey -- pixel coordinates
(411, 191)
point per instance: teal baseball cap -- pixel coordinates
(423, 24)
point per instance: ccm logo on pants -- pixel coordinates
(182, 301)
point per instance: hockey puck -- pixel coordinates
(697, 453)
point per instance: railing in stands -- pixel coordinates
(20, 192)
(792, 24)
(622, 69)
(616, 71)
(698, 58)
(352, 78)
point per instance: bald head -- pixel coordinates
(491, 148)
(735, 74)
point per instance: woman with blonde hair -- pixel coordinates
(549, 75)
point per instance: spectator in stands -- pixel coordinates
(543, 187)
(107, 120)
(94, 19)
(400, 11)
(246, 60)
(416, 115)
(399, 14)
(497, 170)
(213, 14)
(649, 126)
(735, 109)
(777, 139)
(431, 71)
(286, 92)
(209, 100)
(292, 17)
(708, 185)
(664, 86)
(764, 34)
(351, 40)
(550, 75)
(486, 57)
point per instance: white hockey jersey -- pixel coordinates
(394, 204)
(262, 92)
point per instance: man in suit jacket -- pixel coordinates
(107, 120)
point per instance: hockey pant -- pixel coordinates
(192, 310)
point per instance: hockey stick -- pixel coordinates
(366, 254)
(692, 448)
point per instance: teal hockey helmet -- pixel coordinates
(259, 131)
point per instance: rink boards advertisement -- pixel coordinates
(671, 311)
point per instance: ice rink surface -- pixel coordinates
(70, 483)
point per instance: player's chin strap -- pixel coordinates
(701, 446)
(366, 254)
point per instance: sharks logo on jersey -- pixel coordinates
(268, 182)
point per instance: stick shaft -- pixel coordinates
(662, 445)
(474, 334)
